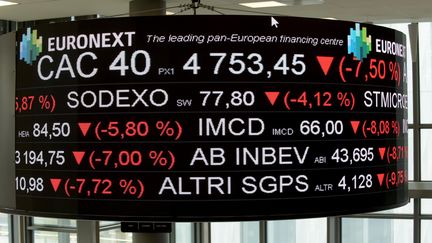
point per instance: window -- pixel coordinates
(235, 232)
(426, 236)
(425, 55)
(183, 233)
(296, 231)
(4, 228)
(40, 236)
(51, 230)
(114, 236)
(426, 154)
(426, 206)
(356, 230)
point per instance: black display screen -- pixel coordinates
(191, 118)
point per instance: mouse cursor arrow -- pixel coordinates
(274, 22)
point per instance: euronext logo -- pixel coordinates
(30, 46)
(359, 44)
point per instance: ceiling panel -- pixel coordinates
(356, 10)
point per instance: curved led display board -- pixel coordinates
(210, 118)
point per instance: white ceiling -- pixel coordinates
(355, 10)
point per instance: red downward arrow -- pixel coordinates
(84, 126)
(382, 152)
(325, 63)
(272, 96)
(55, 183)
(380, 178)
(355, 125)
(78, 156)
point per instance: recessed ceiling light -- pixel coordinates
(169, 13)
(309, 2)
(264, 4)
(6, 3)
